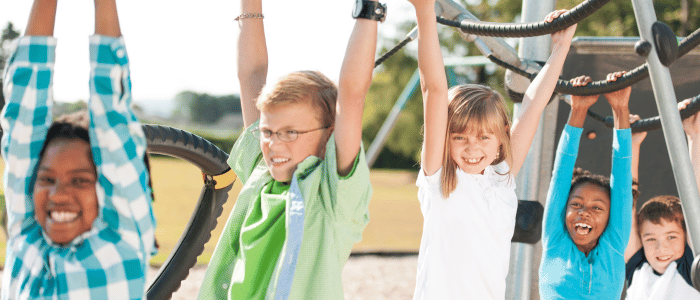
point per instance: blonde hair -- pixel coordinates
(302, 87)
(474, 108)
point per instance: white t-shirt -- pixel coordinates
(669, 286)
(465, 248)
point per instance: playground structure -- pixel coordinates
(658, 46)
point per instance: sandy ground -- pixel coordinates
(364, 277)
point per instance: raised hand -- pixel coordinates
(691, 125)
(582, 102)
(560, 38)
(423, 4)
(637, 137)
(619, 98)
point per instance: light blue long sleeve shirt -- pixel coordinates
(565, 271)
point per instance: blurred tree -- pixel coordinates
(8, 35)
(204, 108)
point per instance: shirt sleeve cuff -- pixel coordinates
(108, 50)
(34, 50)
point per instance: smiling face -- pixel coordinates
(65, 198)
(587, 213)
(283, 157)
(663, 243)
(473, 151)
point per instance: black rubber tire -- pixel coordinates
(212, 161)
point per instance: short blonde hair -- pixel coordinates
(300, 87)
(474, 108)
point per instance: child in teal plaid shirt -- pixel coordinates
(81, 225)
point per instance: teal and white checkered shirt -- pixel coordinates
(110, 260)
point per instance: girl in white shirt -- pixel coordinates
(470, 155)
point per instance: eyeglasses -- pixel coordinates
(288, 135)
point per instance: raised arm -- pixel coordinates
(27, 113)
(355, 80)
(538, 94)
(116, 137)
(42, 18)
(635, 243)
(433, 84)
(619, 224)
(252, 58)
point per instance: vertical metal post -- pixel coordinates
(671, 124)
(522, 270)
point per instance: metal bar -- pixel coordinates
(522, 268)
(671, 124)
(448, 9)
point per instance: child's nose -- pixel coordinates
(59, 192)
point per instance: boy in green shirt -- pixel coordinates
(306, 189)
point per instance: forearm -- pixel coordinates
(42, 18)
(434, 89)
(577, 117)
(355, 80)
(621, 116)
(106, 18)
(693, 141)
(251, 59)
(536, 98)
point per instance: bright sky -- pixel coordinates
(182, 45)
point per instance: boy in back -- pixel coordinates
(663, 236)
(306, 187)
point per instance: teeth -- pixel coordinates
(665, 257)
(583, 225)
(278, 160)
(63, 216)
(473, 160)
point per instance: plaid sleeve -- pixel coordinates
(116, 258)
(118, 147)
(25, 120)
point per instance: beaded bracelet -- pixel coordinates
(248, 16)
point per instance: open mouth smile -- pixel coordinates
(582, 228)
(664, 258)
(474, 161)
(62, 216)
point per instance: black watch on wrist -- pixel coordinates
(371, 10)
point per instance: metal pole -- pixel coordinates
(671, 124)
(519, 282)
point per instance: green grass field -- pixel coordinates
(395, 219)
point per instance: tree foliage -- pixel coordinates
(204, 108)
(8, 35)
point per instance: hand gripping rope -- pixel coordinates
(218, 180)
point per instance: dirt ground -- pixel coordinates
(364, 277)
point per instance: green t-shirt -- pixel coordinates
(334, 212)
(262, 238)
